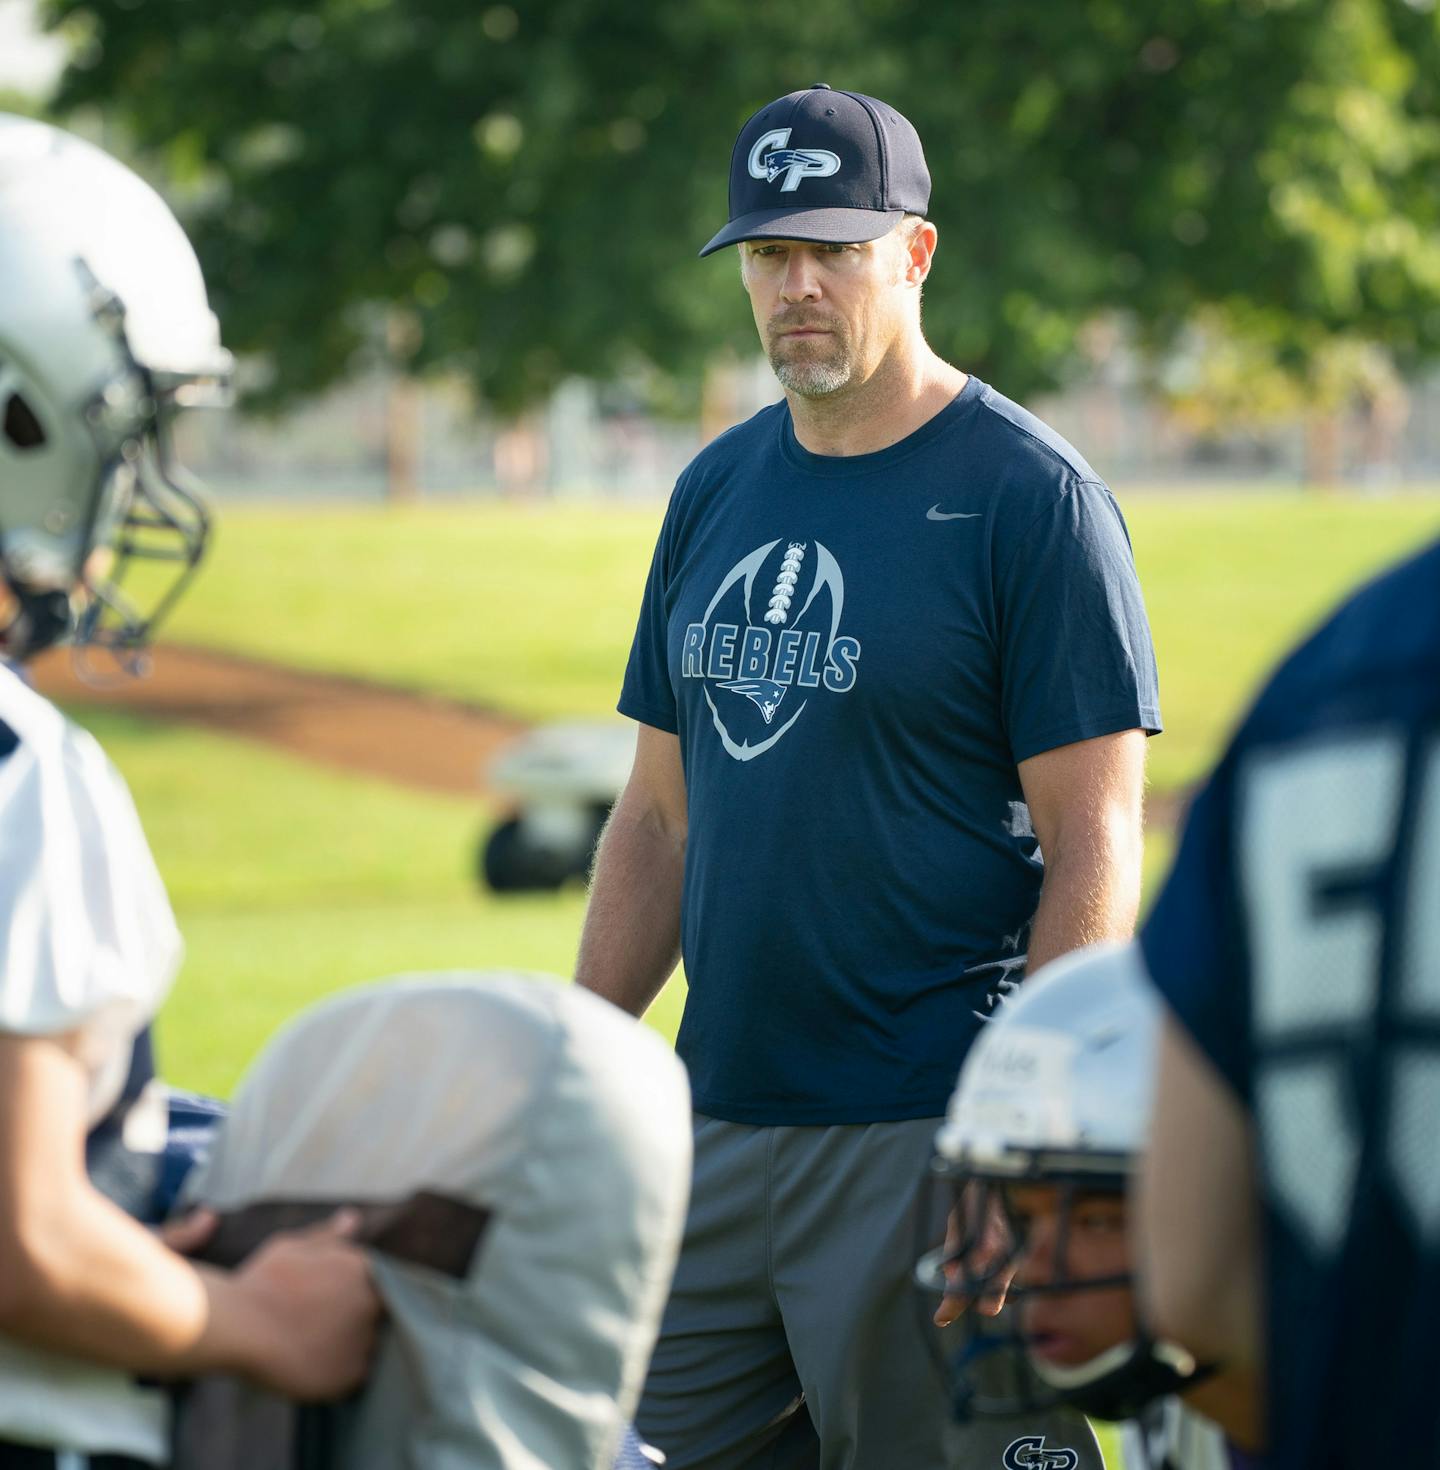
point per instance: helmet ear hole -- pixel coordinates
(21, 427)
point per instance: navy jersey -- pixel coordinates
(1298, 940)
(125, 1175)
(856, 653)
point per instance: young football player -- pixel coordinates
(1043, 1134)
(105, 333)
(1290, 1208)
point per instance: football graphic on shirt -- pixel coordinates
(769, 641)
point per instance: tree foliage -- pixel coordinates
(516, 191)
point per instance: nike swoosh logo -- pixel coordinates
(936, 514)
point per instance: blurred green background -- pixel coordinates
(513, 193)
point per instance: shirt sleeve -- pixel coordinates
(1076, 657)
(1193, 941)
(90, 942)
(647, 694)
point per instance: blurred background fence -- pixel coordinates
(380, 438)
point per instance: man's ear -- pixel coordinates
(920, 249)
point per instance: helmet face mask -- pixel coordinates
(1054, 1243)
(1034, 1160)
(149, 510)
(106, 337)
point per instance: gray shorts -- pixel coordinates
(793, 1339)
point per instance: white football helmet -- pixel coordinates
(1056, 1090)
(105, 332)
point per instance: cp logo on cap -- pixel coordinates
(770, 158)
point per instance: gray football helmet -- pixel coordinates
(105, 333)
(1056, 1091)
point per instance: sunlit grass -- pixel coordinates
(531, 610)
(1231, 581)
(291, 881)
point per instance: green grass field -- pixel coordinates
(532, 609)
(1231, 581)
(291, 881)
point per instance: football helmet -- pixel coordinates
(1040, 1139)
(105, 333)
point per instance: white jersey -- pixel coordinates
(1169, 1436)
(90, 942)
(90, 948)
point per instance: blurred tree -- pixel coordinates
(521, 188)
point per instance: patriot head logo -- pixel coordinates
(1030, 1453)
(770, 159)
(764, 654)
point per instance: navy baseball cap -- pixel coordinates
(824, 165)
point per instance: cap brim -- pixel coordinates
(825, 226)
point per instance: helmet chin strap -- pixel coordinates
(997, 1378)
(41, 619)
(1119, 1382)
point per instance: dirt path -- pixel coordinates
(419, 740)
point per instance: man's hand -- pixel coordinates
(314, 1310)
(993, 1247)
(188, 1233)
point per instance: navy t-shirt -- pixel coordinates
(1298, 941)
(855, 653)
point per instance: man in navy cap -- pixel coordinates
(892, 648)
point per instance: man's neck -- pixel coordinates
(896, 399)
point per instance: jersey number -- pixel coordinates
(1323, 874)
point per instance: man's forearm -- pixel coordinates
(630, 944)
(1091, 893)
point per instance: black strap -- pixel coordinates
(427, 1229)
(222, 1424)
(37, 1457)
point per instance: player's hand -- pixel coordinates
(189, 1232)
(318, 1309)
(992, 1247)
